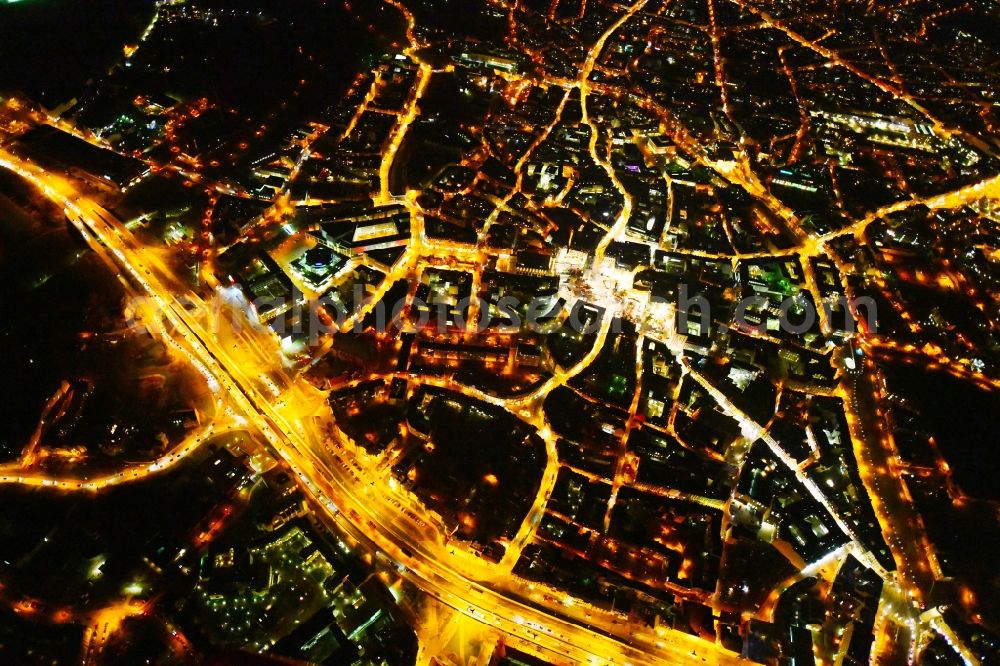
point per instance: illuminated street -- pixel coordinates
(500, 332)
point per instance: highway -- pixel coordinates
(335, 482)
(876, 452)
